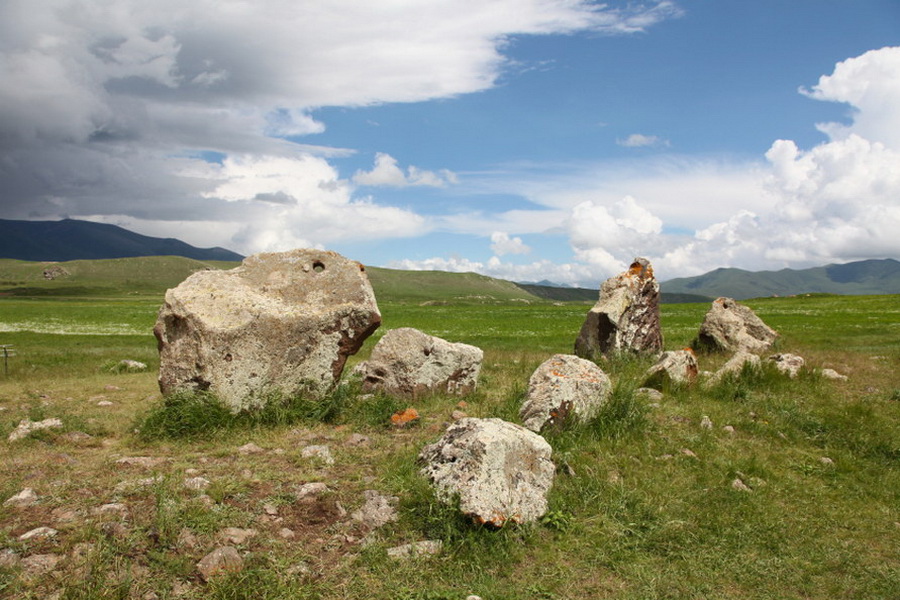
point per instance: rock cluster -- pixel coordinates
(499, 471)
(409, 363)
(281, 321)
(564, 388)
(626, 317)
(729, 326)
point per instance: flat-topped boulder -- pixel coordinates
(407, 362)
(564, 388)
(729, 326)
(626, 317)
(283, 321)
(498, 471)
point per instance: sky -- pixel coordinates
(523, 139)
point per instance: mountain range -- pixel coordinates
(72, 239)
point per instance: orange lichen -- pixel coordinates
(401, 418)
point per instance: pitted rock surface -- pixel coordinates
(675, 366)
(498, 470)
(282, 321)
(626, 317)
(729, 326)
(407, 362)
(563, 388)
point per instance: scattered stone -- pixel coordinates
(192, 472)
(39, 533)
(564, 388)
(408, 363)
(130, 366)
(650, 394)
(187, 539)
(25, 498)
(224, 559)
(826, 461)
(706, 422)
(832, 374)
(39, 564)
(688, 452)
(734, 366)
(142, 461)
(206, 500)
(728, 429)
(377, 511)
(78, 438)
(250, 448)
(270, 509)
(729, 326)
(674, 366)
(236, 536)
(112, 388)
(285, 321)
(114, 529)
(105, 403)
(425, 548)
(286, 534)
(196, 483)
(311, 490)
(404, 417)
(27, 426)
(9, 559)
(319, 452)
(115, 508)
(739, 485)
(626, 316)
(473, 597)
(456, 415)
(499, 471)
(357, 439)
(61, 514)
(789, 364)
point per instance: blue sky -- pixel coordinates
(524, 139)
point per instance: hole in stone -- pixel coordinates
(318, 266)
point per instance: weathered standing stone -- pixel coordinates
(499, 471)
(281, 321)
(675, 366)
(626, 317)
(729, 326)
(407, 362)
(564, 387)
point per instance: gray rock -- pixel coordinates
(729, 326)
(39, 533)
(224, 559)
(319, 452)
(27, 426)
(9, 559)
(425, 548)
(649, 393)
(408, 363)
(280, 322)
(675, 366)
(377, 510)
(499, 471)
(311, 490)
(626, 317)
(563, 388)
(236, 535)
(832, 374)
(734, 366)
(130, 366)
(250, 448)
(39, 564)
(25, 498)
(196, 483)
(789, 364)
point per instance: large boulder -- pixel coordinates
(563, 388)
(729, 326)
(499, 471)
(674, 367)
(626, 317)
(281, 321)
(408, 363)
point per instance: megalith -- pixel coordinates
(564, 388)
(407, 363)
(499, 471)
(730, 326)
(626, 317)
(283, 321)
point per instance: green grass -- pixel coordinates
(633, 514)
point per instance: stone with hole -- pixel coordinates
(281, 322)
(564, 388)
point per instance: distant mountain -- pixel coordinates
(855, 278)
(71, 239)
(549, 291)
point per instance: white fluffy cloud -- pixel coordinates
(386, 172)
(639, 140)
(502, 244)
(568, 273)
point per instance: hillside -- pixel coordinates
(70, 239)
(856, 278)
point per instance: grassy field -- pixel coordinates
(643, 505)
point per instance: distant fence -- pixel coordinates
(8, 350)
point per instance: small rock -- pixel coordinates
(377, 510)
(27, 426)
(39, 533)
(404, 417)
(357, 439)
(728, 429)
(192, 472)
(114, 529)
(187, 539)
(270, 509)
(224, 559)
(688, 452)
(740, 486)
(142, 461)
(26, 497)
(427, 547)
(130, 366)
(287, 534)
(105, 403)
(706, 423)
(9, 559)
(250, 448)
(64, 515)
(38, 564)
(826, 461)
(789, 364)
(311, 490)
(832, 374)
(473, 597)
(322, 453)
(79, 438)
(196, 483)
(456, 415)
(236, 535)
(206, 500)
(111, 509)
(649, 393)
(112, 388)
